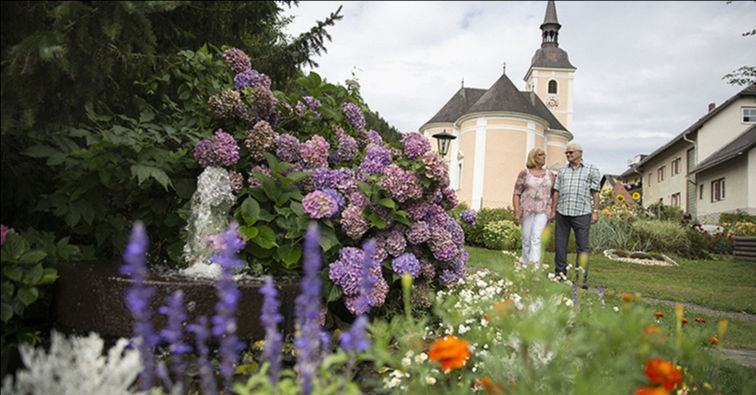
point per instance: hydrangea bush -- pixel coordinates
(292, 159)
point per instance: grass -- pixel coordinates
(731, 288)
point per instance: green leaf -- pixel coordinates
(387, 202)
(266, 216)
(266, 238)
(248, 232)
(146, 116)
(328, 238)
(56, 159)
(27, 295)
(294, 177)
(376, 221)
(14, 247)
(272, 190)
(297, 208)
(289, 254)
(32, 276)
(250, 210)
(49, 276)
(32, 256)
(364, 187)
(334, 293)
(12, 272)
(6, 312)
(39, 151)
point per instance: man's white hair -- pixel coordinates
(576, 146)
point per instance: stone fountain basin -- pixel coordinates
(89, 297)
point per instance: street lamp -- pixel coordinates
(443, 142)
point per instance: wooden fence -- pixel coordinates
(744, 247)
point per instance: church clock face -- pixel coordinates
(552, 101)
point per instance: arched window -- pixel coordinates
(552, 86)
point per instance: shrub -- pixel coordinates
(502, 235)
(726, 219)
(742, 229)
(662, 236)
(611, 232)
(663, 212)
(474, 234)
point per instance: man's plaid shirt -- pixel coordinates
(574, 187)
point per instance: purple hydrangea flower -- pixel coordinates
(354, 115)
(377, 158)
(447, 251)
(222, 151)
(138, 301)
(416, 209)
(449, 278)
(419, 232)
(287, 148)
(400, 184)
(254, 182)
(237, 60)
(262, 108)
(307, 310)
(313, 104)
(469, 217)
(353, 222)
(237, 181)
(260, 139)
(360, 278)
(251, 78)
(375, 137)
(415, 145)
(319, 204)
(338, 198)
(270, 318)
(224, 104)
(435, 167)
(314, 151)
(323, 178)
(347, 148)
(427, 269)
(406, 263)
(451, 198)
(393, 242)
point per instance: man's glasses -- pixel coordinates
(569, 152)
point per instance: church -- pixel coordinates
(495, 128)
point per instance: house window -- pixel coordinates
(749, 114)
(674, 167)
(718, 190)
(675, 200)
(553, 87)
(690, 154)
(660, 174)
(649, 178)
(700, 192)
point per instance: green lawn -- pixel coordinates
(728, 285)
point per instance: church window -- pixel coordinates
(553, 87)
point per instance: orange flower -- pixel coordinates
(651, 329)
(651, 391)
(714, 340)
(658, 314)
(490, 386)
(664, 373)
(701, 320)
(684, 320)
(450, 351)
(627, 297)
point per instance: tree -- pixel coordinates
(743, 75)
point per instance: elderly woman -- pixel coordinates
(532, 203)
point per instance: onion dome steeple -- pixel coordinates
(550, 26)
(550, 55)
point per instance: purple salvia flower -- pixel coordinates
(138, 301)
(601, 295)
(237, 60)
(354, 339)
(270, 318)
(307, 310)
(224, 321)
(173, 335)
(201, 334)
(406, 263)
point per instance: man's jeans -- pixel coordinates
(582, 225)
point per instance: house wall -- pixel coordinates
(655, 190)
(735, 172)
(723, 128)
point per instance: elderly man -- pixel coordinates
(574, 206)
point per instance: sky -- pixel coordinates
(645, 70)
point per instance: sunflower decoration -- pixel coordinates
(636, 195)
(620, 198)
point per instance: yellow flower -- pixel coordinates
(620, 198)
(636, 195)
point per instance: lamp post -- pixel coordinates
(443, 140)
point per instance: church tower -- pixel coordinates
(551, 75)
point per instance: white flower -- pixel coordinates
(430, 380)
(463, 329)
(406, 362)
(75, 365)
(421, 357)
(569, 302)
(616, 309)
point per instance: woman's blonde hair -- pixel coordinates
(531, 157)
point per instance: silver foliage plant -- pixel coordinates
(75, 365)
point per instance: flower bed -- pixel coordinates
(639, 257)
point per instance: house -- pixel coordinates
(710, 167)
(614, 185)
(495, 128)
